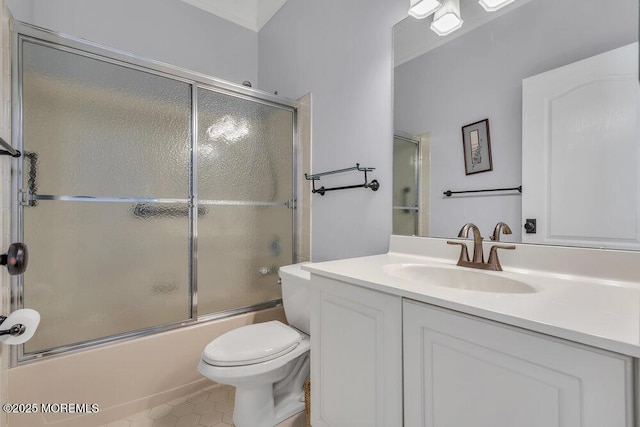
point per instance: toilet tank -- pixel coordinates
(296, 296)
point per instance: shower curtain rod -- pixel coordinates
(9, 150)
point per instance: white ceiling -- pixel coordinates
(251, 14)
(413, 37)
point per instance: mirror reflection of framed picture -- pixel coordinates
(477, 147)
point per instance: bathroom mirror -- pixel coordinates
(444, 84)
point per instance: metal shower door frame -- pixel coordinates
(25, 32)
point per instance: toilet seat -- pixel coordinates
(251, 344)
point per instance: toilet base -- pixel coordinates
(288, 412)
(270, 404)
(255, 407)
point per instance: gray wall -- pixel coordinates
(341, 52)
(170, 31)
(478, 76)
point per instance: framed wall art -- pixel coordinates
(477, 147)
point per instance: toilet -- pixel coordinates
(267, 363)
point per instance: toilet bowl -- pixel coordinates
(268, 363)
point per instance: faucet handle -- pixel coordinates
(464, 253)
(500, 227)
(493, 261)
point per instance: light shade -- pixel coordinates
(420, 9)
(493, 5)
(447, 19)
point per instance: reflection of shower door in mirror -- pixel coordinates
(110, 192)
(406, 153)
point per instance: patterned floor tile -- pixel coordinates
(210, 407)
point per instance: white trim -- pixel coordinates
(251, 14)
(5, 188)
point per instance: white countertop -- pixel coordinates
(600, 312)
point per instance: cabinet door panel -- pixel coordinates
(356, 357)
(463, 371)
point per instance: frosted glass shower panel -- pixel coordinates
(127, 235)
(97, 128)
(405, 186)
(245, 180)
(245, 149)
(240, 249)
(103, 269)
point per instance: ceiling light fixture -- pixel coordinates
(447, 19)
(493, 5)
(420, 9)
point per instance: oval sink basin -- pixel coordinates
(456, 277)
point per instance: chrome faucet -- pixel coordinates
(478, 256)
(500, 227)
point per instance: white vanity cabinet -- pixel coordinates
(379, 359)
(464, 371)
(356, 358)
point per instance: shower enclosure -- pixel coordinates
(150, 197)
(406, 176)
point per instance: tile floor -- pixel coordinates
(211, 407)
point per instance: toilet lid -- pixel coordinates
(251, 344)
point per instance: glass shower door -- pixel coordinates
(150, 197)
(405, 186)
(245, 185)
(106, 193)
